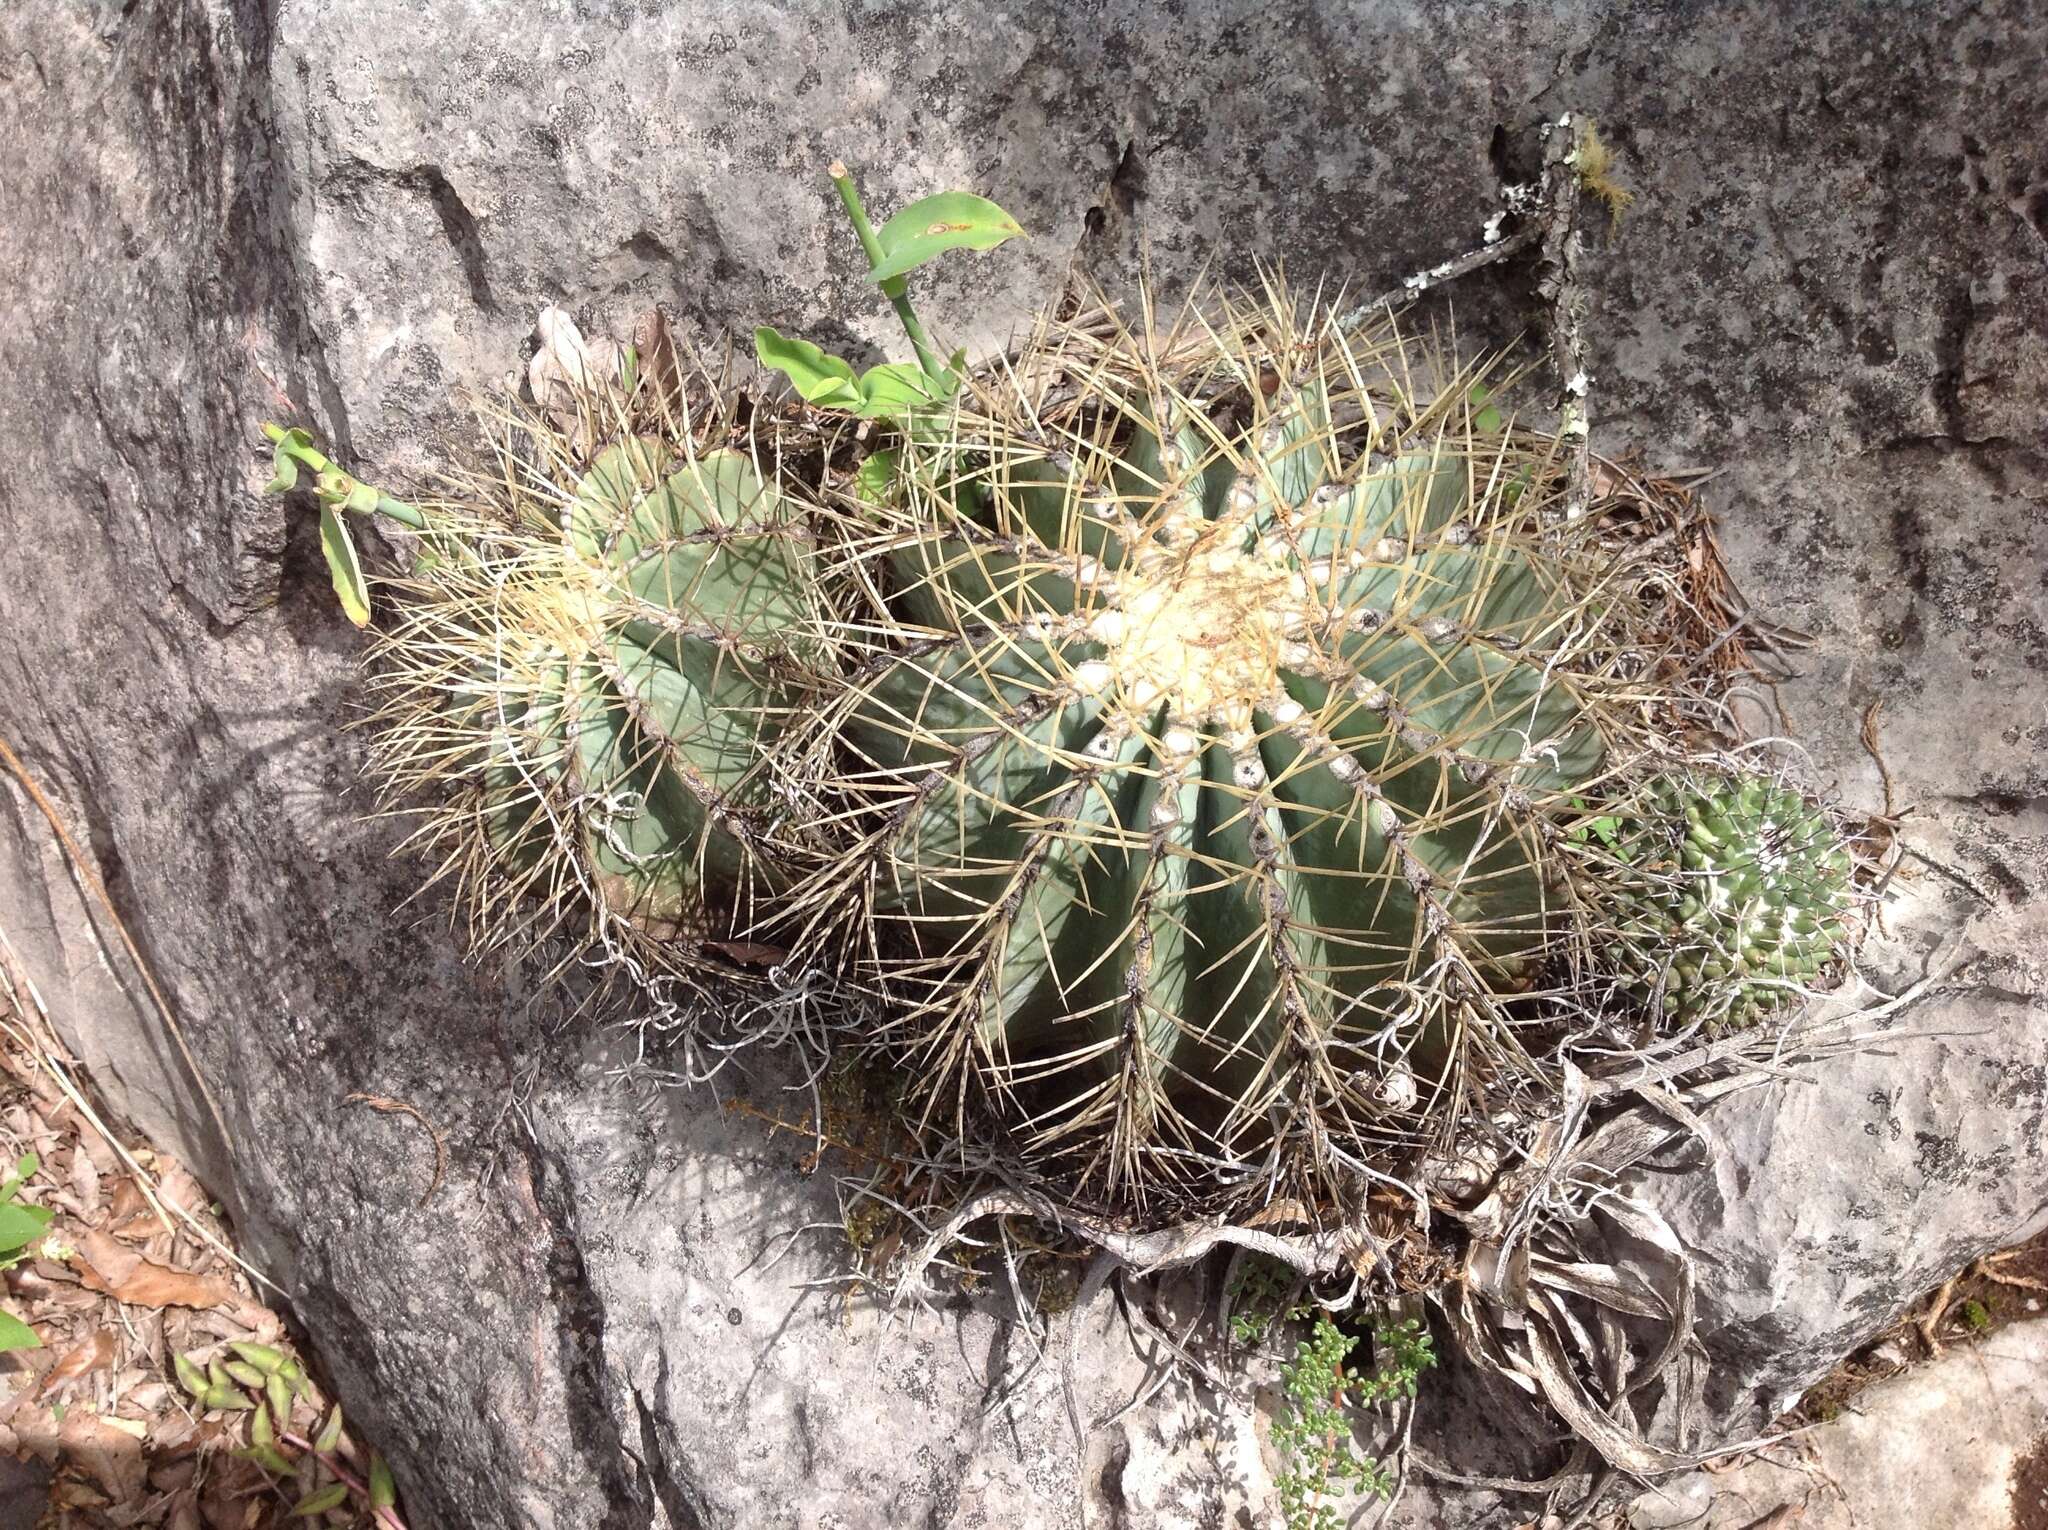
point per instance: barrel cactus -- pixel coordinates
(589, 663)
(1226, 688)
(1732, 894)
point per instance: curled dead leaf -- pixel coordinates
(106, 1452)
(653, 343)
(104, 1265)
(81, 1359)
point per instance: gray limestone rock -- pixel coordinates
(1832, 283)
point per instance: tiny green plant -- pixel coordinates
(337, 491)
(1313, 1432)
(1258, 1298)
(20, 1227)
(311, 1470)
(951, 220)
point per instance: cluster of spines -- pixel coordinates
(994, 703)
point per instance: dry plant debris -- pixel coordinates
(133, 1276)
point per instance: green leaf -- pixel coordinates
(278, 1393)
(284, 462)
(342, 566)
(229, 1399)
(22, 1225)
(15, 1334)
(260, 1432)
(383, 1491)
(900, 387)
(23, 1168)
(262, 1356)
(872, 479)
(247, 1375)
(319, 1501)
(1487, 420)
(330, 1432)
(952, 220)
(269, 1457)
(190, 1376)
(819, 378)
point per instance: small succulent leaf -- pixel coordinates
(320, 1500)
(190, 1376)
(260, 1430)
(247, 1375)
(262, 1356)
(278, 1393)
(383, 1491)
(330, 1432)
(952, 220)
(343, 567)
(819, 378)
(270, 1458)
(15, 1334)
(230, 1399)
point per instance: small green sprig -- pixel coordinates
(951, 220)
(1313, 1431)
(337, 491)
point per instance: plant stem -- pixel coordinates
(347, 1478)
(896, 288)
(397, 509)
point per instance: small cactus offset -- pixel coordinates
(1732, 896)
(1226, 686)
(584, 691)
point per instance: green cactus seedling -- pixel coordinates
(1733, 896)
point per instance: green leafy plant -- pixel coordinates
(1312, 1430)
(20, 1228)
(927, 228)
(313, 1471)
(338, 493)
(1258, 1298)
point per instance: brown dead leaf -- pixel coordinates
(125, 1275)
(748, 953)
(71, 1493)
(656, 348)
(176, 1188)
(128, 1200)
(1286, 1209)
(89, 1356)
(107, 1453)
(85, 1183)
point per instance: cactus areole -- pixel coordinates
(1225, 689)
